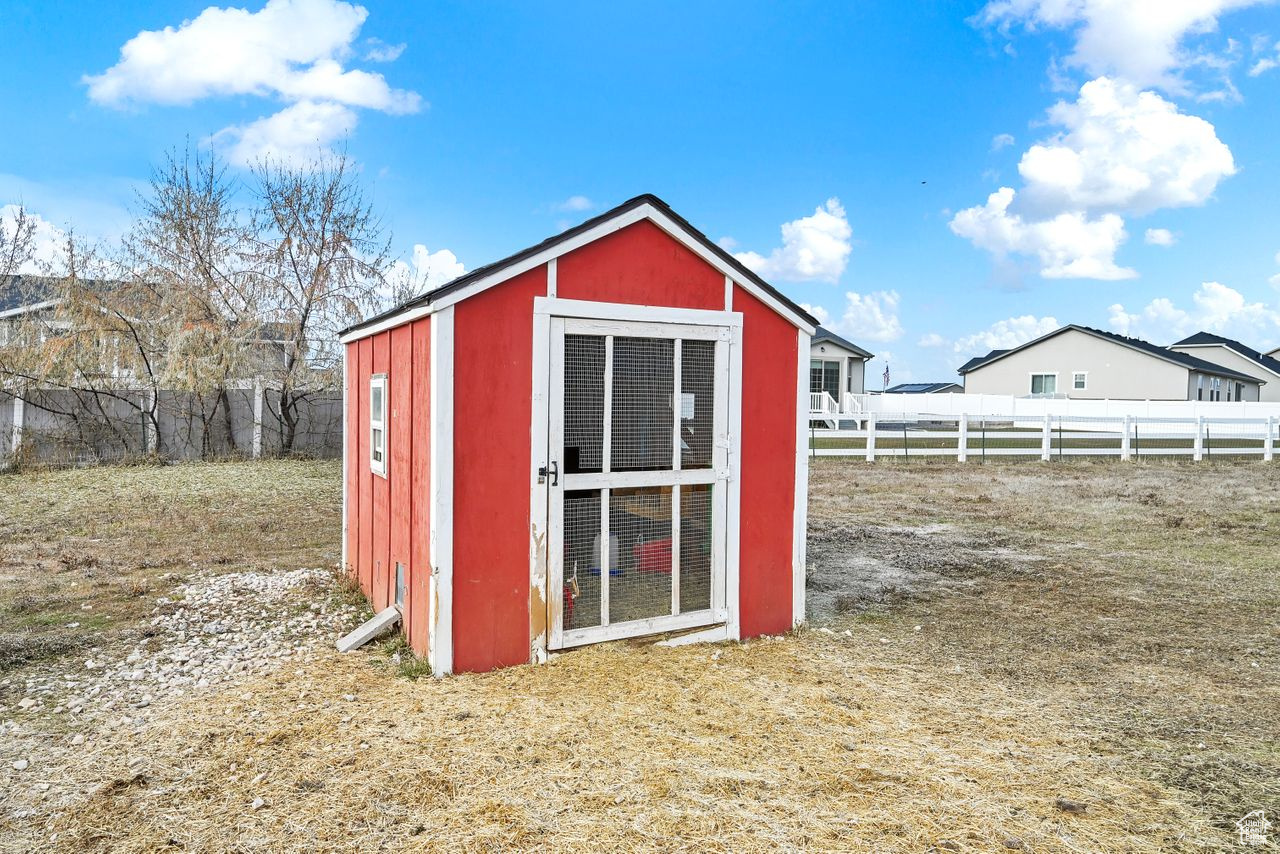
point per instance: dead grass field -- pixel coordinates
(987, 641)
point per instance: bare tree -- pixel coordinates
(17, 242)
(322, 259)
(193, 245)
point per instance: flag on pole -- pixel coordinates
(886, 374)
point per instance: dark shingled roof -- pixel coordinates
(646, 199)
(919, 388)
(1189, 362)
(19, 291)
(1209, 339)
(824, 334)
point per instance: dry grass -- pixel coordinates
(95, 546)
(1099, 624)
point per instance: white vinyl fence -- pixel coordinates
(1046, 437)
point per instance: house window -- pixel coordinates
(824, 375)
(1215, 389)
(1044, 383)
(1199, 386)
(378, 424)
(1079, 380)
(1239, 391)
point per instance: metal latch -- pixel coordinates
(554, 471)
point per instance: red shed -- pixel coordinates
(602, 436)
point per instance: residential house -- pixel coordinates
(1091, 364)
(836, 366)
(1232, 354)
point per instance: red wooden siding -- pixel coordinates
(416, 606)
(366, 480)
(352, 463)
(492, 357)
(640, 265)
(768, 447)
(400, 447)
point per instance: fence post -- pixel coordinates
(1197, 452)
(1268, 444)
(871, 437)
(1125, 451)
(257, 418)
(962, 452)
(19, 416)
(1046, 440)
(149, 422)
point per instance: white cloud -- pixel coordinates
(1124, 150)
(1262, 66)
(575, 204)
(870, 317)
(1001, 140)
(817, 311)
(1120, 151)
(931, 340)
(298, 133)
(292, 50)
(1005, 334)
(1070, 245)
(1214, 308)
(1143, 41)
(380, 51)
(814, 248)
(424, 270)
(47, 240)
(1159, 237)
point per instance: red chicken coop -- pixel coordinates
(602, 436)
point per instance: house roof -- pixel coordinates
(22, 291)
(920, 388)
(824, 334)
(1182, 359)
(480, 274)
(1208, 339)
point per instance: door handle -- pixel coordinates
(554, 471)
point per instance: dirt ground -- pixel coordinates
(1078, 657)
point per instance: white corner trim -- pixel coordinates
(440, 595)
(800, 522)
(728, 293)
(346, 436)
(619, 222)
(551, 278)
(733, 535)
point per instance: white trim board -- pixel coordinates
(628, 217)
(800, 521)
(440, 591)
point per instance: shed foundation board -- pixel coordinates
(376, 625)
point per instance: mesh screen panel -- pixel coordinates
(695, 547)
(583, 403)
(581, 559)
(697, 403)
(643, 381)
(641, 519)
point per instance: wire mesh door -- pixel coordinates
(638, 436)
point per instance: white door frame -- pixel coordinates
(546, 572)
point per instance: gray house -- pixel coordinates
(1090, 364)
(1232, 354)
(925, 388)
(836, 365)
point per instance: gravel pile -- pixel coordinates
(215, 630)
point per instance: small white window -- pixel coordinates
(378, 424)
(1080, 380)
(1044, 383)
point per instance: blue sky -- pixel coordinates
(847, 150)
